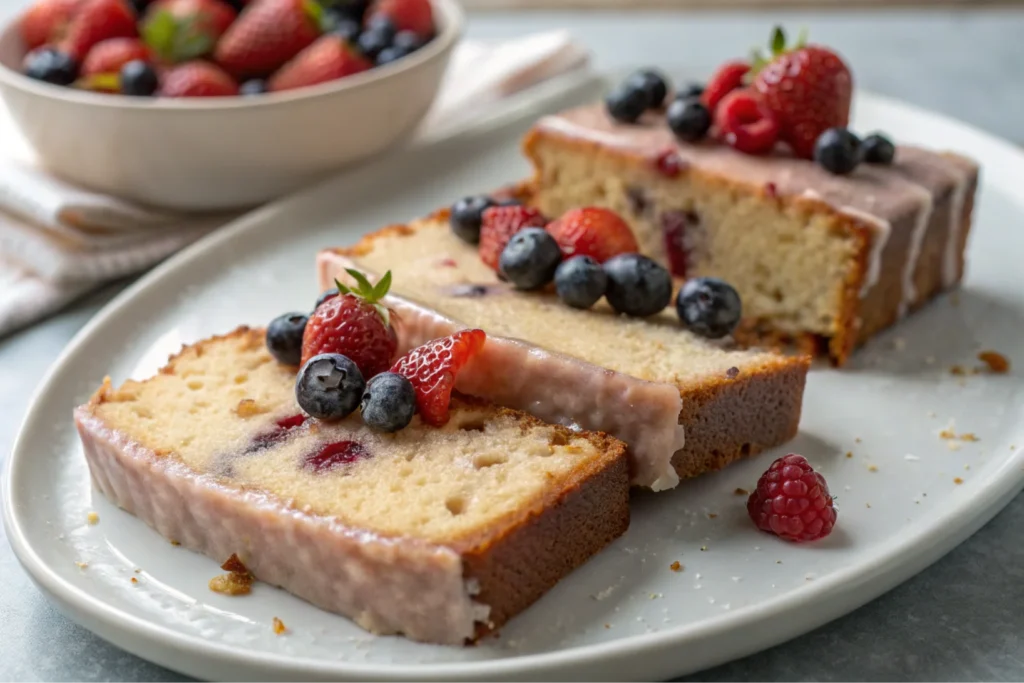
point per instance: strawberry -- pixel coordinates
(268, 34)
(45, 22)
(329, 58)
(354, 324)
(181, 30)
(499, 224)
(809, 89)
(595, 232)
(102, 66)
(197, 79)
(96, 21)
(432, 369)
(728, 77)
(406, 15)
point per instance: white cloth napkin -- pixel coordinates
(58, 241)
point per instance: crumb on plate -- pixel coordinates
(279, 626)
(676, 567)
(93, 517)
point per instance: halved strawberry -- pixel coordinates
(102, 66)
(595, 232)
(433, 368)
(328, 59)
(498, 225)
(96, 21)
(45, 22)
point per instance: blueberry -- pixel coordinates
(329, 386)
(637, 286)
(324, 296)
(652, 83)
(284, 337)
(466, 216)
(690, 91)
(688, 119)
(389, 402)
(350, 9)
(878, 149)
(372, 42)
(580, 281)
(390, 54)
(51, 66)
(408, 40)
(348, 29)
(837, 150)
(253, 86)
(626, 103)
(138, 79)
(709, 307)
(530, 258)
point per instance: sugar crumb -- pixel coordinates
(741, 492)
(676, 567)
(134, 580)
(968, 436)
(872, 468)
(958, 481)
(712, 515)
(93, 517)
(81, 565)
(849, 454)
(175, 543)
(957, 370)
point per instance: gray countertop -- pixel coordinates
(959, 620)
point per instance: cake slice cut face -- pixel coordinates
(821, 259)
(684, 405)
(441, 534)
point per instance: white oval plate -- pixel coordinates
(906, 496)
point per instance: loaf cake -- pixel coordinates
(441, 534)
(684, 405)
(819, 259)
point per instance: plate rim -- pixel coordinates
(885, 568)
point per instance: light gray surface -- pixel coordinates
(959, 620)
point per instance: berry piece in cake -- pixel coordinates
(499, 224)
(198, 79)
(746, 124)
(95, 21)
(328, 59)
(389, 402)
(266, 35)
(432, 369)
(405, 15)
(593, 231)
(674, 226)
(284, 337)
(792, 501)
(637, 285)
(626, 103)
(708, 307)
(809, 89)
(138, 79)
(877, 149)
(580, 281)
(729, 77)
(325, 295)
(530, 258)
(838, 151)
(355, 324)
(253, 86)
(653, 84)
(689, 119)
(329, 386)
(45, 21)
(467, 215)
(51, 66)
(336, 454)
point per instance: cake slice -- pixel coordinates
(684, 405)
(820, 259)
(441, 534)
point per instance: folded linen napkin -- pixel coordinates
(59, 241)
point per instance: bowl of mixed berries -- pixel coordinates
(216, 104)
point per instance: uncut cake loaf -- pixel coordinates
(684, 405)
(440, 534)
(820, 259)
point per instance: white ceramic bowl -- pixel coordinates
(221, 153)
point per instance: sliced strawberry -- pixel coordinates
(45, 22)
(728, 77)
(406, 15)
(433, 368)
(746, 123)
(268, 34)
(197, 79)
(181, 30)
(328, 59)
(498, 225)
(595, 232)
(96, 21)
(102, 66)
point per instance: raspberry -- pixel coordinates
(432, 369)
(499, 224)
(594, 232)
(792, 501)
(334, 454)
(728, 77)
(746, 123)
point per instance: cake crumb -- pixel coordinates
(703, 548)
(237, 581)
(867, 505)
(957, 370)
(712, 515)
(137, 570)
(953, 445)
(947, 433)
(741, 492)
(849, 454)
(607, 625)
(958, 481)
(93, 517)
(778, 561)
(676, 567)
(872, 468)
(968, 436)
(134, 580)
(248, 407)
(996, 362)
(279, 626)
(81, 565)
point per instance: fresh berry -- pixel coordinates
(328, 59)
(689, 119)
(792, 501)
(346, 29)
(198, 79)
(745, 123)
(329, 386)
(809, 89)
(95, 21)
(690, 91)
(356, 324)
(467, 215)
(253, 86)
(390, 54)
(50, 65)
(838, 151)
(580, 281)
(377, 37)
(637, 286)
(708, 307)
(389, 402)
(102, 66)
(626, 103)
(325, 295)
(284, 337)
(408, 41)
(278, 433)
(405, 15)
(45, 22)
(499, 224)
(433, 368)
(593, 231)
(877, 149)
(266, 35)
(336, 454)
(728, 77)
(182, 30)
(530, 258)
(652, 84)
(138, 79)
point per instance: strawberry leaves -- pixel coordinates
(371, 294)
(776, 47)
(176, 39)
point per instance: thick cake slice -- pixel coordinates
(441, 534)
(822, 259)
(684, 405)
